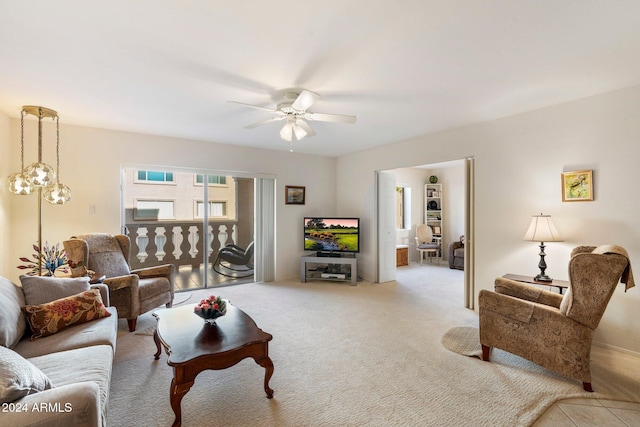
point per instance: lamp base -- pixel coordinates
(543, 278)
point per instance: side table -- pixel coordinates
(560, 284)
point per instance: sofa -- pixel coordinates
(456, 254)
(57, 344)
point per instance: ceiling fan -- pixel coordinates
(293, 109)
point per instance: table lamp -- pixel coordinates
(542, 230)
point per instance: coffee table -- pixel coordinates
(194, 346)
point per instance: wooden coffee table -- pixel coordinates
(194, 346)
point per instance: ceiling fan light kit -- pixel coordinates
(293, 109)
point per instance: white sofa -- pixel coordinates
(75, 364)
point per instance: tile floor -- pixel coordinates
(590, 412)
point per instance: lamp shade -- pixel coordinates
(542, 229)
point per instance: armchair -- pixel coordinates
(552, 330)
(132, 292)
(456, 254)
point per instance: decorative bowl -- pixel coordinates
(210, 315)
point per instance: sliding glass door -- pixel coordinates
(186, 219)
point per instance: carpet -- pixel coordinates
(366, 355)
(178, 298)
(463, 340)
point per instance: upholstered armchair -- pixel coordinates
(456, 254)
(552, 330)
(132, 292)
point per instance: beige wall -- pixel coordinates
(6, 169)
(91, 161)
(518, 161)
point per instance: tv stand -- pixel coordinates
(329, 268)
(330, 254)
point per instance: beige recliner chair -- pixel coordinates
(132, 292)
(552, 330)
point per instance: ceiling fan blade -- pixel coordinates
(304, 100)
(256, 107)
(263, 122)
(305, 126)
(335, 118)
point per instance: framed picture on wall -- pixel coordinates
(294, 195)
(577, 186)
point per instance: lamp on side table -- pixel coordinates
(542, 230)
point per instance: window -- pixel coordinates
(154, 209)
(403, 208)
(216, 209)
(154, 176)
(213, 179)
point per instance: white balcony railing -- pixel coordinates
(176, 242)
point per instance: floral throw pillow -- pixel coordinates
(52, 317)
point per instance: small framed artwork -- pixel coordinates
(294, 195)
(577, 186)
(436, 230)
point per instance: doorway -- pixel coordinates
(456, 214)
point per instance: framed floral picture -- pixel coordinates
(577, 186)
(294, 195)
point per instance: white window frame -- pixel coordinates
(138, 213)
(196, 214)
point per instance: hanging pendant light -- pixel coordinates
(18, 182)
(40, 175)
(57, 193)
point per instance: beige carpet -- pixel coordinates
(368, 355)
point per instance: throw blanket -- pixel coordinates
(627, 274)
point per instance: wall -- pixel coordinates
(6, 169)
(414, 178)
(91, 161)
(518, 161)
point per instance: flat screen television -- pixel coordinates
(332, 234)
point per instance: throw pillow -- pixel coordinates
(52, 317)
(19, 377)
(12, 322)
(41, 289)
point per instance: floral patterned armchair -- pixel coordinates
(552, 330)
(132, 292)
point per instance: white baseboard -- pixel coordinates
(620, 349)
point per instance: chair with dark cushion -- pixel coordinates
(456, 254)
(132, 292)
(552, 330)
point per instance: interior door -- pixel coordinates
(386, 223)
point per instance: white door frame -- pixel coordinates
(382, 234)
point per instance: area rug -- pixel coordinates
(181, 297)
(463, 340)
(178, 298)
(366, 355)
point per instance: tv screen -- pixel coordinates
(328, 234)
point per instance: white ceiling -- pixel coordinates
(404, 68)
